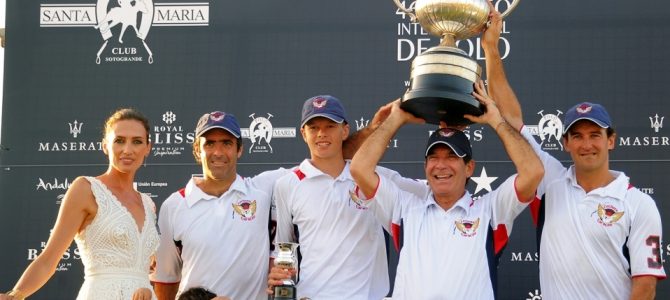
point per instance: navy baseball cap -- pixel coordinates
(218, 119)
(323, 106)
(454, 138)
(593, 112)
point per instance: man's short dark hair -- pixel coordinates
(196, 293)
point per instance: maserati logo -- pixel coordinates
(362, 123)
(75, 128)
(655, 123)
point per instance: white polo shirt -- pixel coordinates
(220, 243)
(593, 243)
(341, 243)
(449, 254)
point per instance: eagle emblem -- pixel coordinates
(319, 102)
(584, 108)
(467, 228)
(608, 214)
(246, 209)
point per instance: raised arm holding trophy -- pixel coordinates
(442, 77)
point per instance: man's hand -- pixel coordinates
(277, 276)
(142, 294)
(492, 115)
(382, 113)
(407, 118)
(491, 35)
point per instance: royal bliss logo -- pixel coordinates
(75, 129)
(170, 138)
(124, 25)
(65, 262)
(261, 132)
(549, 129)
(474, 133)
(656, 138)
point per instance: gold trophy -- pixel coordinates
(442, 77)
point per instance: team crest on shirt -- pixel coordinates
(467, 228)
(246, 209)
(360, 203)
(608, 214)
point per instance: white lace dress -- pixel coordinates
(116, 256)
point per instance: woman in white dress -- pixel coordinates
(112, 223)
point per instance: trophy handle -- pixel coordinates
(410, 12)
(510, 8)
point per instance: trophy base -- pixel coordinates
(284, 292)
(441, 87)
(447, 99)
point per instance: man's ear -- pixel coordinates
(611, 141)
(470, 168)
(302, 132)
(345, 131)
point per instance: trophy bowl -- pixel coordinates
(442, 77)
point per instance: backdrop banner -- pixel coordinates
(66, 71)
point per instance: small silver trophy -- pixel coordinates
(286, 258)
(442, 77)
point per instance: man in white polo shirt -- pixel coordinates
(450, 241)
(342, 245)
(599, 237)
(214, 232)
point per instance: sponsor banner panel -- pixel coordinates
(71, 63)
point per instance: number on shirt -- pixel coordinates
(654, 262)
